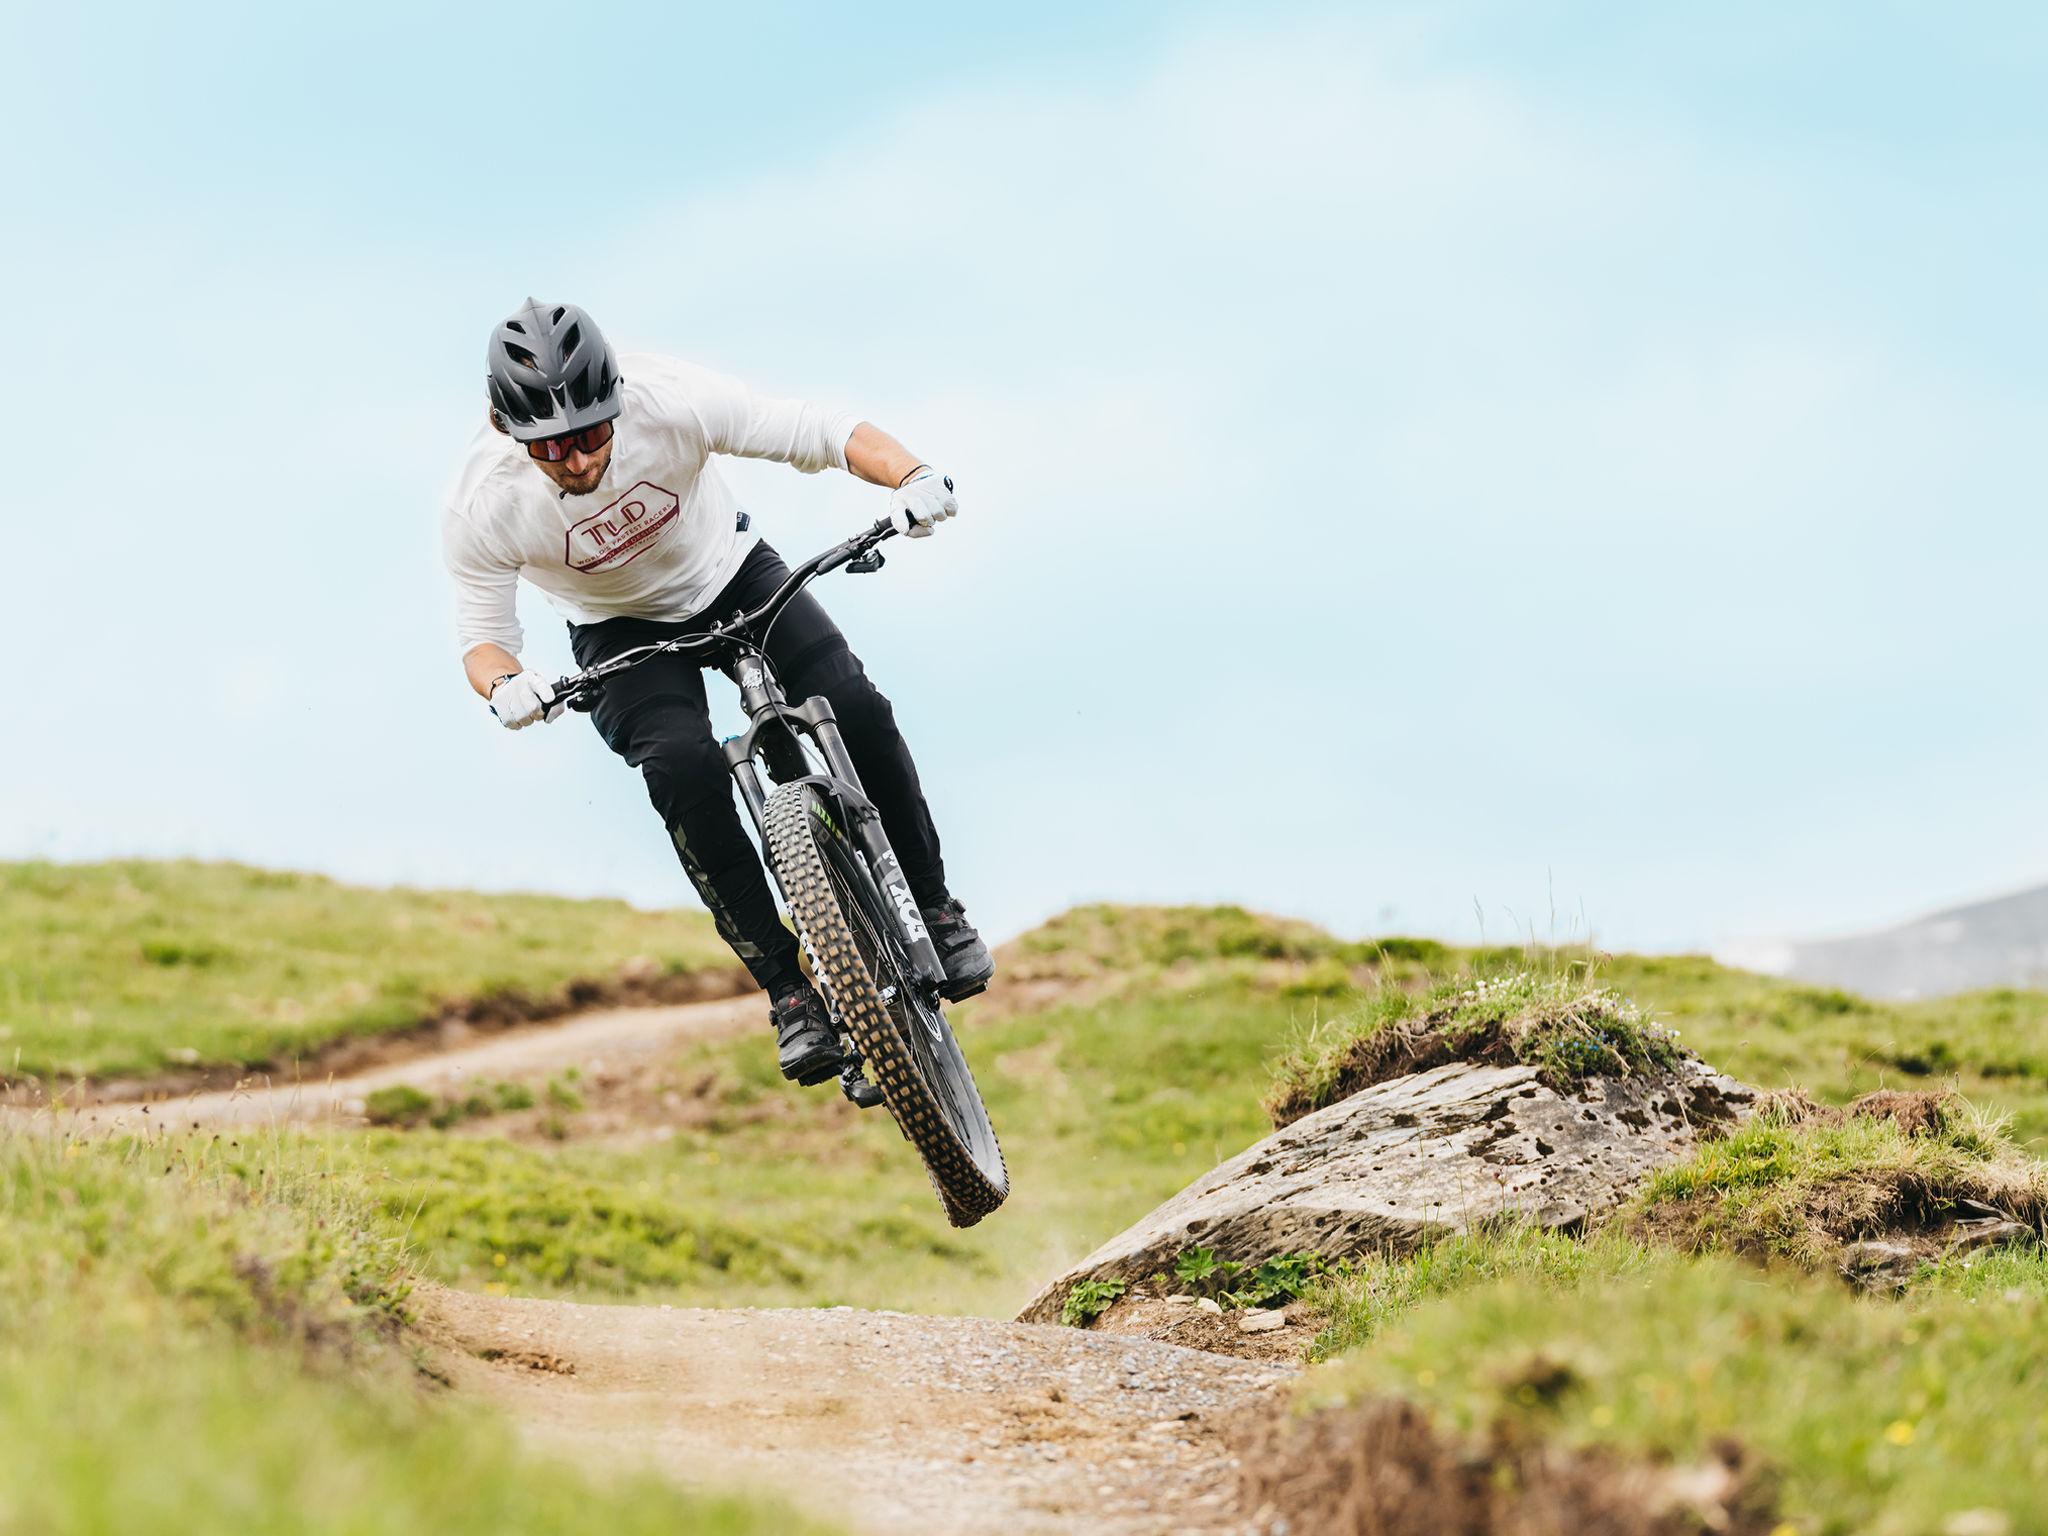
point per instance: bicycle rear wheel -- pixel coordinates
(909, 1046)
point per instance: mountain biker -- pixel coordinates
(592, 478)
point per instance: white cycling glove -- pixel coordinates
(922, 502)
(521, 699)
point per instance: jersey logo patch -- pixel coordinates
(606, 540)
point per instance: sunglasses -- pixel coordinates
(552, 450)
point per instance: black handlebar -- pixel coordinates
(579, 691)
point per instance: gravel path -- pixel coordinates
(894, 1422)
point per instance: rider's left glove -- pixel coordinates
(521, 698)
(922, 502)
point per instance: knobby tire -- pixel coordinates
(856, 958)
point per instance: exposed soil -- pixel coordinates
(1381, 1468)
(1184, 1321)
(453, 1026)
(893, 1422)
(1917, 1112)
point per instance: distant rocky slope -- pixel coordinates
(2002, 942)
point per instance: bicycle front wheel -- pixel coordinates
(909, 1046)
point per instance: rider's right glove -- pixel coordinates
(923, 501)
(520, 698)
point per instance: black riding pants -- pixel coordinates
(657, 718)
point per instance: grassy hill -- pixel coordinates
(134, 967)
(1139, 1048)
(1148, 1059)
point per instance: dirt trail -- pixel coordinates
(890, 1421)
(618, 1036)
(881, 1421)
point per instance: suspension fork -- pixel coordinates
(766, 706)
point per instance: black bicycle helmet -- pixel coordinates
(551, 372)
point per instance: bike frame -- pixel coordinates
(768, 710)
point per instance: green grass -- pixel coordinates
(136, 967)
(789, 1196)
(1991, 1046)
(1784, 1188)
(204, 1335)
(487, 1213)
(1880, 1416)
(1376, 1291)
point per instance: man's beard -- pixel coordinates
(584, 485)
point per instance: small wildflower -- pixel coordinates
(1899, 1432)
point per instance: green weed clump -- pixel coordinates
(1558, 1020)
(1232, 1284)
(405, 1106)
(1089, 1299)
(399, 1104)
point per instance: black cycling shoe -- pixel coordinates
(969, 965)
(807, 1046)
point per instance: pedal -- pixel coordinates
(855, 1085)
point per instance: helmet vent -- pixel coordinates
(514, 325)
(556, 317)
(572, 339)
(521, 356)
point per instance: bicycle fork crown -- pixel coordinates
(758, 687)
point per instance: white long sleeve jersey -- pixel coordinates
(661, 534)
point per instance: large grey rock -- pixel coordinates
(1405, 1161)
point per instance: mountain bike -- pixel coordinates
(845, 892)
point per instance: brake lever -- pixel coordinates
(871, 561)
(579, 696)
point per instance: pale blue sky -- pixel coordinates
(1417, 461)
